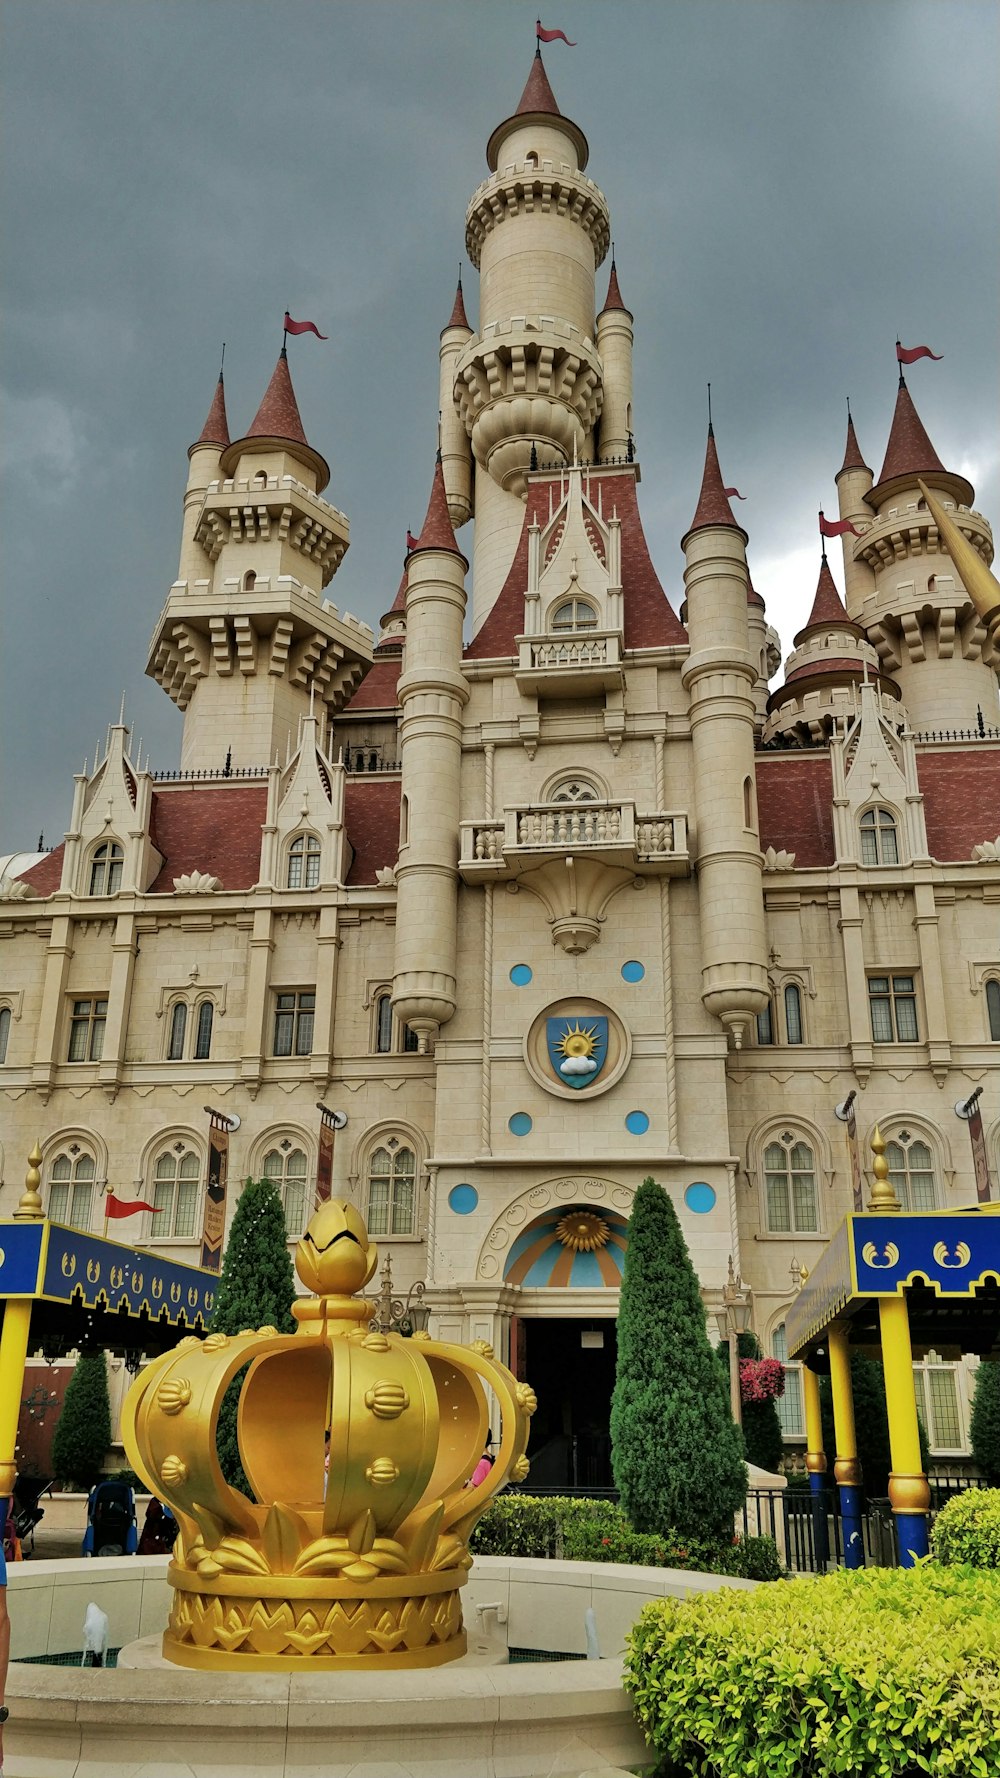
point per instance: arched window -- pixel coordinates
(790, 1185)
(531, 158)
(392, 1170)
(71, 1187)
(878, 837)
(574, 614)
(106, 869)
(411, 1042)
(789, 1406)
(911, 1170)
(250, 578)
(938, 1402)
(176, 1191)
(748, 820)
(992, 1009)
(260, 479)
(303, 862)
(383, 1025)
(574, 790)
(286, 1167)
(793, 1014)
(203, 1034)
(765, 1024)
(178, 1031)
(4, 1032)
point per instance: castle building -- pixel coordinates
(544, 889)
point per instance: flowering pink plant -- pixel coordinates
(761, 1379)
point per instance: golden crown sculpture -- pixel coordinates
(360, 1568)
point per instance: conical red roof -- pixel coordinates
(614, 296)
(436, 531)
(458, 316)
(753, 596)
(278, 414)
(216, 428)
(397, 608)
(713, 508)
(852, 451)
(537, 94)
(909, 451)
(828, 606)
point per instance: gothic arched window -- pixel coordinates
(793, 1013)
(879, 841)
(392, 1170)
(71, 1187)
(287, 1168)
(303, 862)
(106, 867)
(203, 1032)
(911, 1170)
(4, 1032)
(790, 1186)
(574, 790)
(574, 614)
(993, 1009)
(178, 1031)
(176, 1191)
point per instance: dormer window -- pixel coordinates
(106, 869)
(879, 841)
(303, 862)
(574, 614)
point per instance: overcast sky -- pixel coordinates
(791, 183)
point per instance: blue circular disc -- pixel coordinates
(520, 975)
(700, 1198)
(637, 1123)
(519, 1124)
(633, 971)
(463, 1199)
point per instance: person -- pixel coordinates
(484, 1465)
(5, 1507)
(326, 1473)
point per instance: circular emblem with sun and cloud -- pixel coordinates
(575, 1047)
(578, 1049)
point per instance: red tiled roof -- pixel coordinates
(216, 427)
(213, 828)
(437, 531)
(909, 450)
(795, 804)
(537, 94)
(827, 606)
(753, 597)
(823, 665)
(713, 508)
(614, 296)
(377, 690)
(852, 450)
(961, 800)
(371, 815)
(398, 606)
(650, 621)
(458, 316)
(278, 414)
(46, 875)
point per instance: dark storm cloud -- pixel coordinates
(790, 184)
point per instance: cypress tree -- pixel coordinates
(677, 1456)
(257, 1289)
(762, 1434)
(984, 1427)
(83, 1430)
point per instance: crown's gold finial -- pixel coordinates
(30, 1208)
(882, 1196)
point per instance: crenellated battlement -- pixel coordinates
(548, 189)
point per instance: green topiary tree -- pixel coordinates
(984, 1427)
(83, 1430)
(762, 1435)
(677, 1457)
(257, 1289)
(871, 1425)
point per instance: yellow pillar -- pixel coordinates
(816, 1462)
(846, 1467)
(14, 1339)
(908, 1489)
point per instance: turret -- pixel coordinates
(456, 451)
(854, 484)
(763, 650)
(203, 468)
(824, 675)
(719, 677)
(614, 343)
(432, 694)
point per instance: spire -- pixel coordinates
(909, 451)
(713, 507)
(537, 95)
(852, 450)
(827, 607)
(398, 606)
(216, 428)
(537, 101)
(458, 316)
(614, 296)
(278, 414)
(436, 531)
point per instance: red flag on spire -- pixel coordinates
(303, 327)
(835, 527)
(544, 36)
(910, 354)
(733, 494)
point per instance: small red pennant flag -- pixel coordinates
(411, 541)
(910, 354)
(733, 494)
(835, 527)
(544, 36)
(303, 327)
(117, 1207)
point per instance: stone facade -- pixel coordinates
(545, 898)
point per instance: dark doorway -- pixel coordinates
(571, 1367)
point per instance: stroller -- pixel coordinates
(25, 1513)
(110, 1521)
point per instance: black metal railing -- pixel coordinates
(216, 773)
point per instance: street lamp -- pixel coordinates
(733, 1319)
(394, 1314)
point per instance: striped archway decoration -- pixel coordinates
(574, 1246)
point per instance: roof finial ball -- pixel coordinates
(30, 1208)
(883, 1193)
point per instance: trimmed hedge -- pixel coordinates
(879, 1674)
(967, 1530)
(583, 1530)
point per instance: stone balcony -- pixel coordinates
(573, 665)
(612, 833)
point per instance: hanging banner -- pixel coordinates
(845, 1114)
(329, 1122)
(214, 1227)
(980, 1164)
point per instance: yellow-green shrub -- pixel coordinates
(878, 1674)
(968, 1529)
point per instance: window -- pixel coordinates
(71, 1188)
(574, 614)
(936, 1385)
(106, 869)
(911, 1171)
(878, 837)
(748, 820)
(86, 1031)
(769, 1030)
(391, 1195)
(790, 1183)
(411, 1042)
(574, 790)
(383, 1025)
(250, 578)
(992, 1011)
(203, 1038)
(893, 1002)
(4, 1032)
(176, 1191)
(178, 1030)
(293, 1024)
(303, 862)
(765, 1025)
(790, 1409)
(286, 1167)
(793, 1014)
